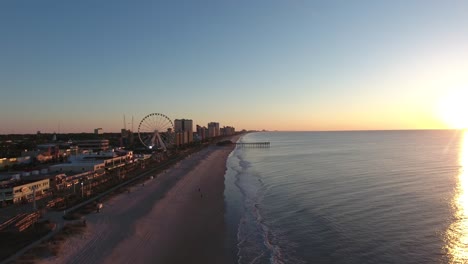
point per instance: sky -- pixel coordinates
(72, 66)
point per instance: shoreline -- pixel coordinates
(178, 217)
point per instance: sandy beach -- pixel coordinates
(177, 217)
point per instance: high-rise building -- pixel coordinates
(202, 132)
(184, 131)
(213, 129)
(228, 131)
(183, 125)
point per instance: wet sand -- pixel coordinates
(178, 217)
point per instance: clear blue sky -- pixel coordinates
(287, 65)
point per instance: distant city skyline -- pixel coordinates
(277, 65)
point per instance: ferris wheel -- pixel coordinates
(156, 131)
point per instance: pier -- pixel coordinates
(254, 144)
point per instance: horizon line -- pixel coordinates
(264, 130)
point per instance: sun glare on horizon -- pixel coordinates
(453, 109)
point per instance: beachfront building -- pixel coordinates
(183, 125)
(94, 161)
(213, 129)
(76, 167)
(202, 132)
(83, 162)
(19, 191)
(228, 131)
(183, 131)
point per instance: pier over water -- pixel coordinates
(254, 144)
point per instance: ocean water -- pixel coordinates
(349, 197)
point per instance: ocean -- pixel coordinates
(349, 197)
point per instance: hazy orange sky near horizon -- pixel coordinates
(276, 65)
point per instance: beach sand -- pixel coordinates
(177, 217)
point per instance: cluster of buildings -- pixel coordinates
(81, 161)
(60, 165)
(58, 151)
(185, 134)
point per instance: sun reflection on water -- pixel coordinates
(457, 234)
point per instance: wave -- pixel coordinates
(254, 235)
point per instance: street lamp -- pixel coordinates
(82, 191)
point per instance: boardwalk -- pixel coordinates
(254, 144)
